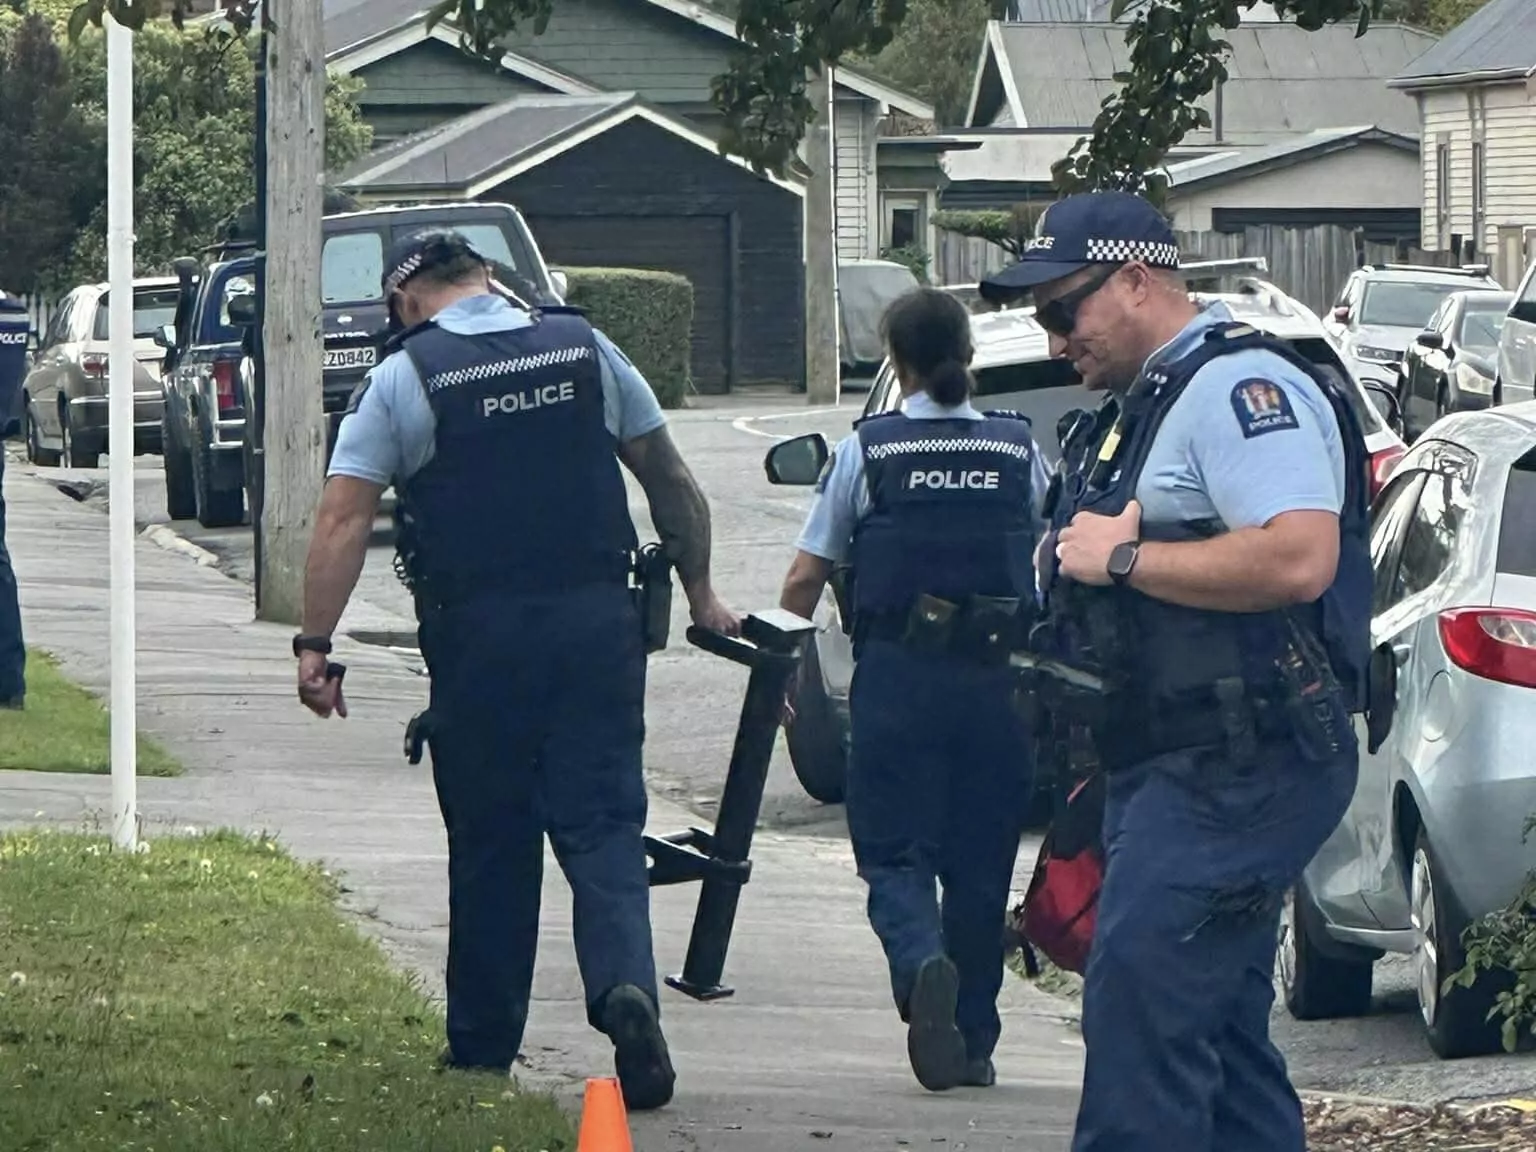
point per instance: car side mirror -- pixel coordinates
(165, 336)
(561, 283)
(1380, 696)
(1386, 405)
(1341, 313)
(242, 310)
(1430, 340)
(797, 461)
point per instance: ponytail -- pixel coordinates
(929, 334)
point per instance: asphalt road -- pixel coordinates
(694, 699)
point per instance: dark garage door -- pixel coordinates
(693, 246)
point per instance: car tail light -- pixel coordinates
(224, 385)
(1494, 643)
(1382, 464)
(94, 364)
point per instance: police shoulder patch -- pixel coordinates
(1262, 406)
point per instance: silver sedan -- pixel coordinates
(1434, 839)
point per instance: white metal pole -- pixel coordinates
(120, 427)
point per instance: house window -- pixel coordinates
(903, 226)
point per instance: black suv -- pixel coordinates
(208, 379)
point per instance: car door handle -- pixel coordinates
(1401, 652)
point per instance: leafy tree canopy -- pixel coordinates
(1009, 228)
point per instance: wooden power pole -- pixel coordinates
(293, 418)
(821, 326)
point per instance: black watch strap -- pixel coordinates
(1122, 560)
(320, 644)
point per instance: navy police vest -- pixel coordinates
(1170, 653)
(950, 511)
(523, 493)
(15, 327)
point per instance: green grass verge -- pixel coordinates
(65, 728)
(207, 995)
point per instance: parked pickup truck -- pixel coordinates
(208, 394)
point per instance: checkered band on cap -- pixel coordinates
(403, 272)
(1153, 252)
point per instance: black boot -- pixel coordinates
(979, 1073)
(934, 1044)
(640, 1054)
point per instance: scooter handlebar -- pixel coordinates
(719, 644)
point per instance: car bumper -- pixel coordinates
(93, 414)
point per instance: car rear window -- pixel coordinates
(1028, 376)
(153, 308)
(1517, 524)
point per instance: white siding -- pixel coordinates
(1443, 115)
(1509, 149)
(854, 128)
(1366, 176)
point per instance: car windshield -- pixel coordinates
(153, 309)
(352, 263)
(1480, 328)
(1402, 303)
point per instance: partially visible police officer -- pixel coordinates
(15, 326)
(1211, 565)
(499, 427)
(935, 508)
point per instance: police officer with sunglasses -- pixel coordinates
(1208, 572)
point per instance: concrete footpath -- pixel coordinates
(809, 1053)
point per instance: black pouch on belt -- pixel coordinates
(653, 571)
(989, 628)
(930, 625)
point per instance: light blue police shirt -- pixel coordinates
(842, 498)
(1249, 438)
(390, 436)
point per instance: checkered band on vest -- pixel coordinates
(457, 376)
(1158, 254)
(958, 444)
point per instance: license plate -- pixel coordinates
(348, 358)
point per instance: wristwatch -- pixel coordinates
(1122, 560)
(320, 644)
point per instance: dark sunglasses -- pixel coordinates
(1059, 316)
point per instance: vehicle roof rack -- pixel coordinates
(1460, 270)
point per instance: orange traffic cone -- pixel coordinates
(604, 1122)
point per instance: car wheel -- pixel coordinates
(36, 453)
(73, 457)
(1456, 1021)
(1317, 985)
(816, 736)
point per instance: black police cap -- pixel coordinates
(432, 248)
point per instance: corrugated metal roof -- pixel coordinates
(1499, 37)
(457, 152)
(1281, 79)
(1092, 11)
(348, 22)
(1220, 164)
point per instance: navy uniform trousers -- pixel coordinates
(539, 709)
(938, 786)
(1179, 984)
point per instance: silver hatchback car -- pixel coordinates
(1434, 837)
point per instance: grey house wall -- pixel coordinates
(428, 85)
(689, 211)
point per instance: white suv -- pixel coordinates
(1383, 307)
(1014, 370)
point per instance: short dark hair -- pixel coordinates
(929, 333)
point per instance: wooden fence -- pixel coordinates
(1309, 264)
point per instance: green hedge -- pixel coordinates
(649, 315)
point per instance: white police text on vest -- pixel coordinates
(13, 337)
(953, 478)
(514, 402)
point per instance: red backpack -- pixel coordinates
(1058, 912)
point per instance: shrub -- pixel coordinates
(649, 315)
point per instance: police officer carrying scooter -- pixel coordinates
(498, 427)
(935, 508)
(15, 327)
(1212, 576)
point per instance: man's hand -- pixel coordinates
(708, 612)
(319, 694)
(1083, 546)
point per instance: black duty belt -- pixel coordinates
(1138, 730)
(436, 591)
(979, 629)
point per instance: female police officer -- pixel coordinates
(935, 507)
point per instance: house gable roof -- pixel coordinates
(1058, 75)
(1228, 167)
(1497, 42)
(468, 156)
(353, 26)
